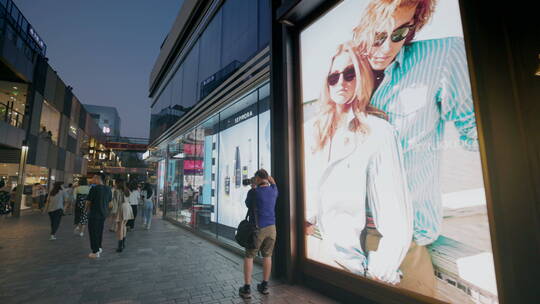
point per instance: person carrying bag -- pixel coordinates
(259, 235)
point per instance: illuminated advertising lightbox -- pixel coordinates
(392, 173)
(193, 165)
(193, 150)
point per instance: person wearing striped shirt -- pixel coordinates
(421, 85)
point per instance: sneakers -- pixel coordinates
(100, 250)
(52, 238)
(94, 255)
(263, 288)
(244, 292)
(81, 234)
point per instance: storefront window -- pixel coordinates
(12, 102)
(160, 189)
(49, 123)
(212, 161)
(34, 175)
(239, 31)
(205, 211)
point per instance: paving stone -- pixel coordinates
(164, 265)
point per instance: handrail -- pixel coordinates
(21, 25)
(12, 117)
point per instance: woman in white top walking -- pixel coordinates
(134, 197)
(55, 207)
(123, 214)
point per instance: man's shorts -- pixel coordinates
(266, 238)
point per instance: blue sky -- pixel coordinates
(105, 49)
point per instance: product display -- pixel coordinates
(227, 182)
(237, 170)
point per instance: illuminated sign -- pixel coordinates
(146, 155)
(392, 174)
(106, 130)
(36, 37)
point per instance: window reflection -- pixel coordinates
(49, 123)
(208, 164)
(236, 32)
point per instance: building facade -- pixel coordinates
(41, 120)
(431, 157)
(107, 118)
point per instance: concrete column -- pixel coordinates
(20, 182)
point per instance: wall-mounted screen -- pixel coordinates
(392, 172)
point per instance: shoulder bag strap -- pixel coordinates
(255, 211)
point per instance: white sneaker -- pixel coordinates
(100, 250)
(94, 255)
(52, 238)
(76, 230)
(81, 234)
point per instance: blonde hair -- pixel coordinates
(327, 122)
(378, 18)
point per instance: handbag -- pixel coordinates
(246, 233)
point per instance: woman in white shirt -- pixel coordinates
(124, 213)
(55, 207)
(355, 172)
(134, 198)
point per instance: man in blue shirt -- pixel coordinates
(421, 85)
(261, 199)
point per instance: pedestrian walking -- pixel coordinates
(55, 207)
(69, 200)
(124, 214)
(116, 202)
(148, 205)
(134, 197)
(80, 193)
(36, 191)
(97, 204)
(5, 205)
(261, 202)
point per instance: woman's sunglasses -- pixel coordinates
(348, 75)
(396, 36)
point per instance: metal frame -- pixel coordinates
(510, 192)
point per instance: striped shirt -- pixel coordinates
(426, 86)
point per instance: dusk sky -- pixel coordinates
(105, 49)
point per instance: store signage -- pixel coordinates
(146, 155)
(36, 37)
(392, 174)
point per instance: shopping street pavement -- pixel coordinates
(164, 265)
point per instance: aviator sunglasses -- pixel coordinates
(348, 75)
(396, 36)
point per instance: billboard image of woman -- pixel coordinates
(394, 189)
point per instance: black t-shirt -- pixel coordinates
(99, 197)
